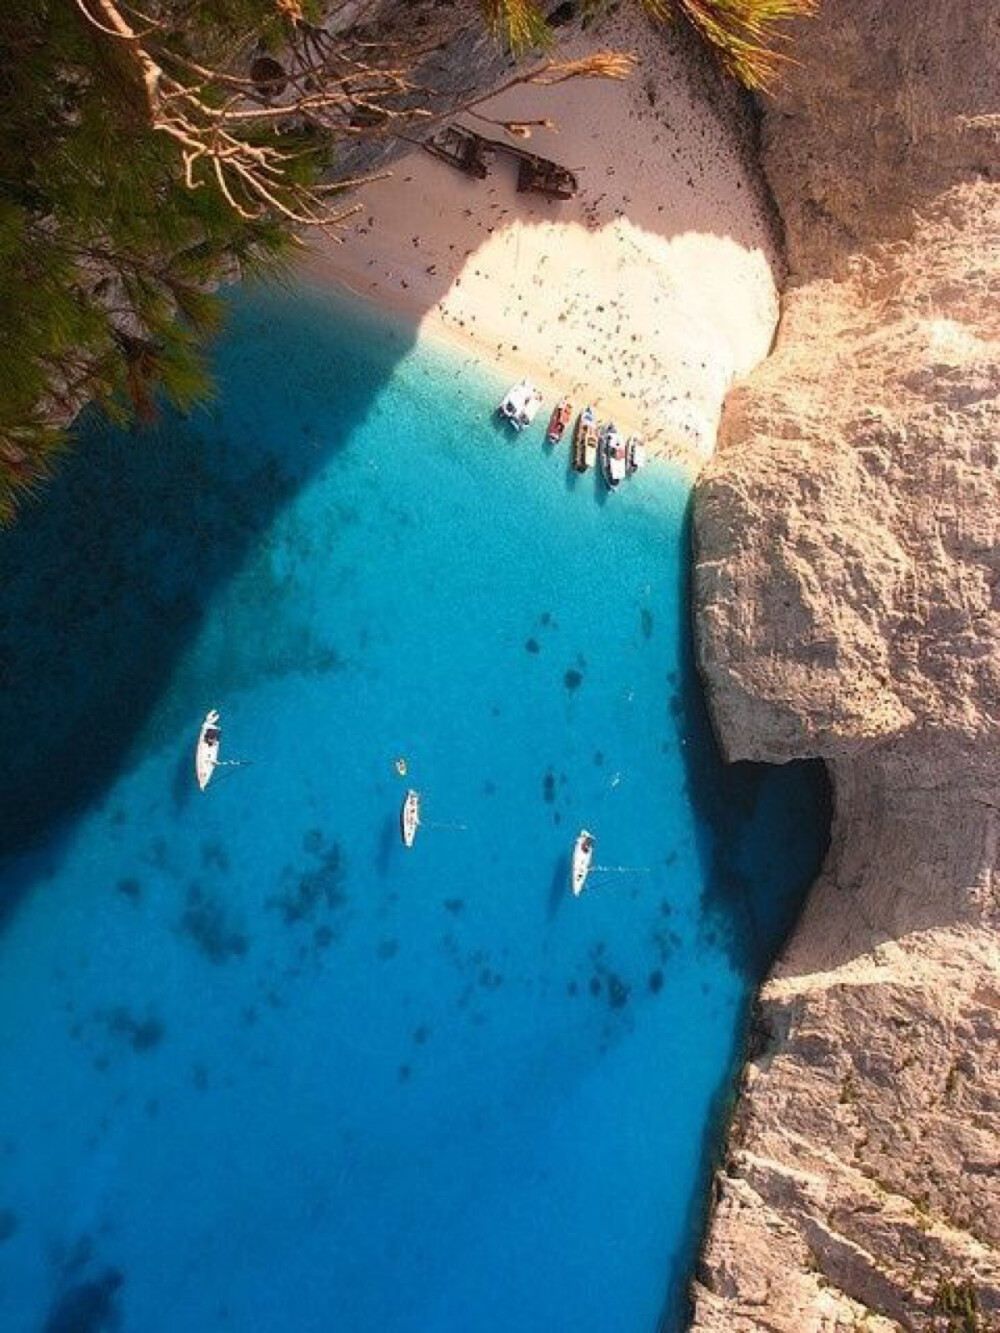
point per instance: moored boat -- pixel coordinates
(514, 400)
(206, 754)
(585, 440)
(583, 856)
(531, 408)
(590, 447)
(559, 420)
(409, 817)
(520, 404)
(635, 453)
(612, 456)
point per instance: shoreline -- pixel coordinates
(646, 296)
(514, 366)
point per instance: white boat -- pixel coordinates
(206, 755)
(531, 407)
(612, 456)
(635, 453)
(583, 855)
(521, 403)
(409, 817)
(585, 440)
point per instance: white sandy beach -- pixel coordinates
(647, 295)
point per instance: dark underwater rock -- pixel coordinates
(206, 921)
(142, 1034)
(314, 889)
(89, 1307)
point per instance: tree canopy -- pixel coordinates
(149, 151)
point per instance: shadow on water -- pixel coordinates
(763, 833)
(388, 842)
(559, 888)
(181, 788)
(573, 478)
(108, 578)
(754, 880)
(88, 1307)
(677, 1311)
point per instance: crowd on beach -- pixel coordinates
(650, 292)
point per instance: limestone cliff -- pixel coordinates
(848, 606)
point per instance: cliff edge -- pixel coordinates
(847, 584)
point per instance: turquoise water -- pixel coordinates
(261, 1068)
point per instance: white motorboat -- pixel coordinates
(583, 856)
(531, 407)
(612, 456)
(635, 453)
(409, 817)
(585, 440)
(206, 755)
(521, 403)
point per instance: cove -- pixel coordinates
(260, 1067)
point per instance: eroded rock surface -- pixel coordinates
(848, 591)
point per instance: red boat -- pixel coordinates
(559, 420)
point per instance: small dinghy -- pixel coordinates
(583, 856)
(409, 817)
(635, 453)
(612, 456)
(561, 416)
(521, 404)
(206, 755)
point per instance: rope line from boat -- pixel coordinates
(436, 824)
(620, 870)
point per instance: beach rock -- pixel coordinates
(847, 585)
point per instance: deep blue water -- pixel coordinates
(262, 1069)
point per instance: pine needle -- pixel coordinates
(745, 35)
(520, 24)
(598, 65)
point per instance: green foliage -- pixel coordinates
(519, 23)
(959, 1303)
(848, 1089)
(106, 258)
(108, 254)
(745, 35)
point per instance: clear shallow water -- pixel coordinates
(260, 1068)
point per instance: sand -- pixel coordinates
(646, 296)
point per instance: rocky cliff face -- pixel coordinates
(848, 597)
